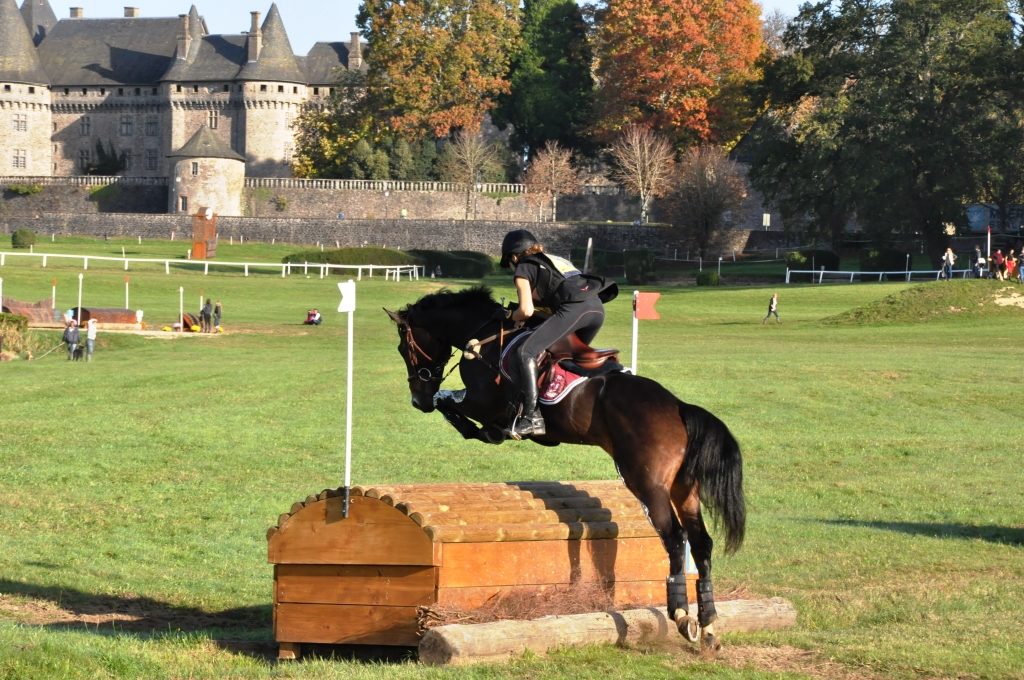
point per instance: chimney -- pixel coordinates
(76, 13)
(255, 42)
(184, 38)
(131, 12)
(355, 52)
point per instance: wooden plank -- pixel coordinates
(373, 533)
(346, 624)
(384, 585)
(542, 562)
(288, 651)
(478, 533)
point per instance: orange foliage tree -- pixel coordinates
(436, 66)
(666, 64)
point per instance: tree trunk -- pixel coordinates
(461, 644)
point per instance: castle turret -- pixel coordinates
(39, 18)
(274, 92)
(208, 174)
(24, 99)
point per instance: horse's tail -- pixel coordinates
(713, 461)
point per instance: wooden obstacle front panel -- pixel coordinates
(374, 533)
(381, 586)
(345, 624)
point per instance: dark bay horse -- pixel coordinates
(673, 456)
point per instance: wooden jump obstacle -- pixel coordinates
(361, 580)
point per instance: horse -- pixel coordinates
(673, 456)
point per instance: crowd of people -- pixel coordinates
(1000, 266)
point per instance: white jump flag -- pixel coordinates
(348, 304)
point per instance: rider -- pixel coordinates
(553, 283)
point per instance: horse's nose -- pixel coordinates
(423, 404)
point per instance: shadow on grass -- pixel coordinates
(64, 609)
(992, 533)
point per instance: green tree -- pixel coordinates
(886, 110)
(325, 135)
(436, 66)
(552, 90)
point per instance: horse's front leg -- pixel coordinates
(449, 403)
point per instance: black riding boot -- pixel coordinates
(531, 422)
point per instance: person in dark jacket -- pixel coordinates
(72, 338)
(556, 285)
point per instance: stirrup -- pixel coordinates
(525, 426)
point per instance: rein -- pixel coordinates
(426, 373)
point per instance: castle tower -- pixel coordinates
(273, 92)
(206, 174)
(25, 115)
(39, 18)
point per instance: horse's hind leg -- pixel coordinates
(657, 503)
(687, 504)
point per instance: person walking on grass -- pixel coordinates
(773, 308)
(72, 338)
(90, 338)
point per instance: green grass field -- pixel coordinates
(879, 426)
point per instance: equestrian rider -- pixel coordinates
(551, 282)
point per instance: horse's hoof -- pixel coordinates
(686, 625)
(709, 645)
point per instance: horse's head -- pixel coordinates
(425, 359)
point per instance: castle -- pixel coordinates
(146, 94)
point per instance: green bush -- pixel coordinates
(23, 238)
(812, 259)
(24, 189)
(462, 264)
(639, 265)
(708, 277)
(882, 260)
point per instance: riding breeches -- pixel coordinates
(584, 318)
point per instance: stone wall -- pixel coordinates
(480, 235)
(84, 200)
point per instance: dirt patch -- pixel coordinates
(788, 660)
(1009, 297)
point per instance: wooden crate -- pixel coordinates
(361, 580)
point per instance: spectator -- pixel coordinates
(217, 311)
(948, 258)
(999, 265)
(206, 317)
(773, 308)
(90, 338)
(979, 262)
(1011, 265)
(312, 317)
(72, 337)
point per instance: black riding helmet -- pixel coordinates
(516, 242)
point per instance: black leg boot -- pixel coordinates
(531, 422)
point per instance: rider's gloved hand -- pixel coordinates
(502, 314)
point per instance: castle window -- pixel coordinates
(195, 168)
(20, 122)
(31, 89)
(280, 88)
(295, 90)
(7, 88)
(120, 91)
(263, 88)
(127, 160)
(84, 126)
(138, 91)
(154, 90)
(330, 91)
(20, 159)
(212, 118)
(127, 125)
(103, 91)
(83, 160)
(66, 90)
(227, 88)
(316, 90)
(177, 88)
(151, 159)
(152, 126)
(195, 88)
(183, 203)
(287, 154)
(85, 91)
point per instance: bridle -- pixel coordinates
(414, 353)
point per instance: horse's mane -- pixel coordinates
(477, 296)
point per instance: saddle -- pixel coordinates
(581, 358)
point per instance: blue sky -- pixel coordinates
(307, 21)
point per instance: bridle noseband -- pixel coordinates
(413, 355)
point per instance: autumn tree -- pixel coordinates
(707, 186)
(552, 89)
(643, 164)
(550, 175)
(436, 66)
(663, 63)
(326, 135)
(467, 160)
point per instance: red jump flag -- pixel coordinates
(643, 306)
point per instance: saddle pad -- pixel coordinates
(555, 382)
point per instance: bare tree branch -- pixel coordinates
(550, 175)
(643, 164)
(707, 186)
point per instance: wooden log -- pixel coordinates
(463, 644)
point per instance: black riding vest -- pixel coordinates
(555, 288)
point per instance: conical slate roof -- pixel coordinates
(205, 144)
(276, 60)
(39, 18)
(18, 60)
(182, 68)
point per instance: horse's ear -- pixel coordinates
(394, 315)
